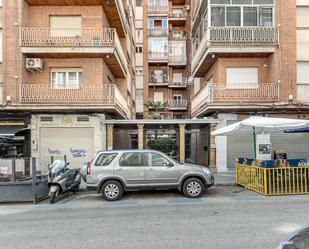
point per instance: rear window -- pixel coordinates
(105, 159)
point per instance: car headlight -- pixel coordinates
(207, 171)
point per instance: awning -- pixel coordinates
(301, 130)
(261, 124)
(11, 130)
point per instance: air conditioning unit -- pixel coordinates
(186, 7)
(34, 64)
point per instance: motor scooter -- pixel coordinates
(61, 179)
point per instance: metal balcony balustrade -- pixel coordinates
(99, 94)
(216, 94)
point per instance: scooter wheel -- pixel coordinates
(52, 197)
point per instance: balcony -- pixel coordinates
(158, 81)
(235, 41)
(157, 10)
(158, 32)
(178, 35)
(177, 60)
(177, 17)
(157, 57)
(178, 83)
(90, 97)
(114, 10)
(59, 43)
(178, 105)
(237, 96)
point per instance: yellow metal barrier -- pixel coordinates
(274, 181)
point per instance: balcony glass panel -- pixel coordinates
(266, 16)
(233, 16)
(158, 48)
(218, 16)
(250, 16)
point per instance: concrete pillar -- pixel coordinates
(212, 153)
(182, 143)
(140, 136)
(110, 136)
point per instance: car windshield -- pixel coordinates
(301, 240)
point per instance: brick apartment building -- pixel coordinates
(250, 57)
(67, 64)
(163, 56)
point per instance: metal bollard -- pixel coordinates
(13, 170)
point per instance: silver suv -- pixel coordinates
(113, 172)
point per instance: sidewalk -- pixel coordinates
(225, 178)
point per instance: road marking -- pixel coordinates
(183, 201)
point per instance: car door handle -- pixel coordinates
(118, 169)
(149, 169)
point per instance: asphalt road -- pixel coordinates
(225, 218)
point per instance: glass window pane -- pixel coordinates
(217, 16)
(220, 1)
(158, 160)
(266, 16)
(242, 2)
(151, 24)
(164, 23)
(250, 16)
(232, 16)
(131, 159)
(105, 159)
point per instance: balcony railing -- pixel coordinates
(178, 104)
(41, 37)
(158, 10)
(157, 56)
(153, 80)
(177, 59)
(177, 35)
(107, 94)
(157, 32)
(235, 93)
(242, 36)
(177, 14)
(178, 83)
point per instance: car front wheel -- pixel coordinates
(112, 190)
(193, 188)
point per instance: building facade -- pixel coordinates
(249, 57)
(67, 65)
(163, 53)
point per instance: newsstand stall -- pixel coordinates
(269, 174)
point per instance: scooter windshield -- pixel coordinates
(57, 166)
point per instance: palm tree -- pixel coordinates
(158, 107)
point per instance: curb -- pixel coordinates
(228, 184)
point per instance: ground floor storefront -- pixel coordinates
(230, 148)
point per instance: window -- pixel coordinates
(250, 16)
(131, 159)
(243, 77)
(139, 71)
(157, 160)
(233, 16)
(139, 49)
(158, 97)
(139, 24)
(105, 159)
(218, 16)
(302, 72)
(177, 97)
(266, 16)
(66, 78)
(65, 26)
(158, 48)
(177, 78)
(139, 3)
